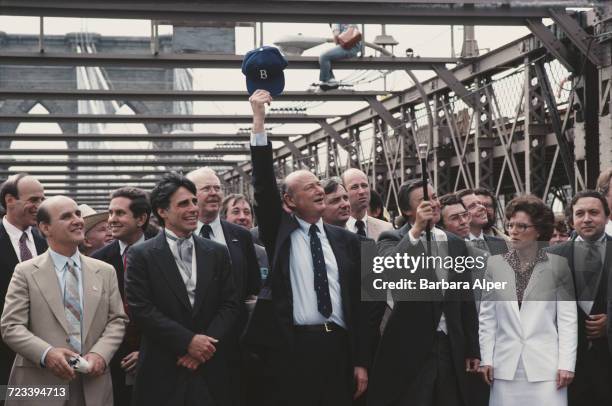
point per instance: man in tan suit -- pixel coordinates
(59, 305)
(358, 188)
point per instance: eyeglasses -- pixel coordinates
(520, 227)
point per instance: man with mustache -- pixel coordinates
(245, 267)
(180, 293)
(309, 327)
(589, 255)
(358, 188)
(20, 240)
(59, 305)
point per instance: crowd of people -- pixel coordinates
(184, 296)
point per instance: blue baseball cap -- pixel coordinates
(263, 68)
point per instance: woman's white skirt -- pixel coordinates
(520, 392)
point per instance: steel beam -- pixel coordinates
(586, 43)
(110, 173)
(169, 61)
(140, 137)
(119, 163)
(313, 11)
(554, 45)
(239, 150)
(567, 158)
(495, 61)
(161, 119)
(97, 186)
(178, 95)
(456, 86)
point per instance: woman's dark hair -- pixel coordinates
(540, 214)
(165, 188)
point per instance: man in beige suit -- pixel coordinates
(358, 188)
(59, 305)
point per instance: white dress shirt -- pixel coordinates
(473, 237)
(59, 263)
(350, 224)
(217, 231)
(438, 236)
(15, 235)
(301, 272)
(609, 228)
(305, 310)
(189, 281)
(123, 246)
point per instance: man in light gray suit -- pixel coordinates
(59, 305)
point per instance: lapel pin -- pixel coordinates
(95, 288)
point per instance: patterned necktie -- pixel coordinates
(360, 225)
(185, 252)
(481, 243)
(124, 258)
(206, 231)
(321, 285)
(72, 305)
(24, 251)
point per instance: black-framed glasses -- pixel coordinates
(520, 227)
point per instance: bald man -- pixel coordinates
(245, 267)
(358, 188)
(20, 196)
(310, 326)
(59, 305)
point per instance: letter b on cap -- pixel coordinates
(263, 74)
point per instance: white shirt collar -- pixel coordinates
(123, 246)
(350, 224)
(214, 225)
(472, 237)
(170, 235)
(600, 239)
(60, 260)
(14, 232)
(305, 227)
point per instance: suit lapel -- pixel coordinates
(92, 290)
(165, 261)
(338, 248)
(205, 268)
(39, 241)
(48, 285)
(7, 246)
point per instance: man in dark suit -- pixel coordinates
(20, 196)
(589, 256)
(245, 267)
(181, 295)
(128, 216)
(428, 344)
(478, 222)
(308, 326)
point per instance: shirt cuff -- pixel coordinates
(259, 139)
(413, 241)
(42, 359)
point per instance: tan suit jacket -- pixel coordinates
(376, 227)
(33, 319)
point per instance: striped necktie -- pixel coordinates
(72, 305)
